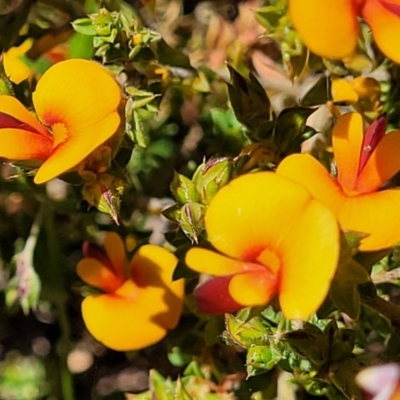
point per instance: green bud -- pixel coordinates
(192, 220)
(102, 18)
(104, 193)
(212, 176)
(260, 359)
(254, 332)
(183, 189)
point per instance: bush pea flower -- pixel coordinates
(139, 303)
(274, 239)
(330, 28)
(76, 102)
(364, 163)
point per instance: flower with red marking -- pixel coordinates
(76, 102)
(364, 163)
(139, 303)
(330, 28)
(275, 240)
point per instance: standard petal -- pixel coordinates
(17, 144)
(75, 149)
(252, 213)
(96, 274)
(152, 268)
(253, 288)
(328, 28)
(209, 262)
(78, 93)
(115, 249)
(384, 19)
(382, 165)
(347, 138)
(376, 214)
(213, 297)
(11, 106)
(121, 324)
(310, 254)
(308, 172)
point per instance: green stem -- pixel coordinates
(59, 297)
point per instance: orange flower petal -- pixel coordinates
(121, 324)
(11, 106)
(213, 297)
(115, 250)
(310, 254)
(17, 144)
(71, 152)
(384, 19)
(343, 91)
(308, 172)
(209, 262)
(382, 165)
(254, 288)
(376, 214)
(152, 268)
(328, 28)
(78, 93)
(94, 273)
(347, 138)
(252, 213)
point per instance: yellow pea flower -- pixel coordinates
(330, 28)
(364, 163)
(76, 102)
(275, 240)
(139, 303)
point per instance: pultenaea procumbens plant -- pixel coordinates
(76, 102)
(330, 28)
(275, 240)
(364, 163)
(139, 303)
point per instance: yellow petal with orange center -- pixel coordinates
(308, 172)
(347, 138)
(78, 93)
(253, 213)
(94, 273)
(310, 255)
(382, 165)
(253, 288)
(328, 28)
(75, 149)
(377, 214)
(115, 250)
(383, 17)
(209, 262)
(152, 268)
(122, 324)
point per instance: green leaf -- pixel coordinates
(320, 93)
(290, 125)
(84, 26)
(310, 343)
(349, 275)
(166, 55)
(250, 103)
